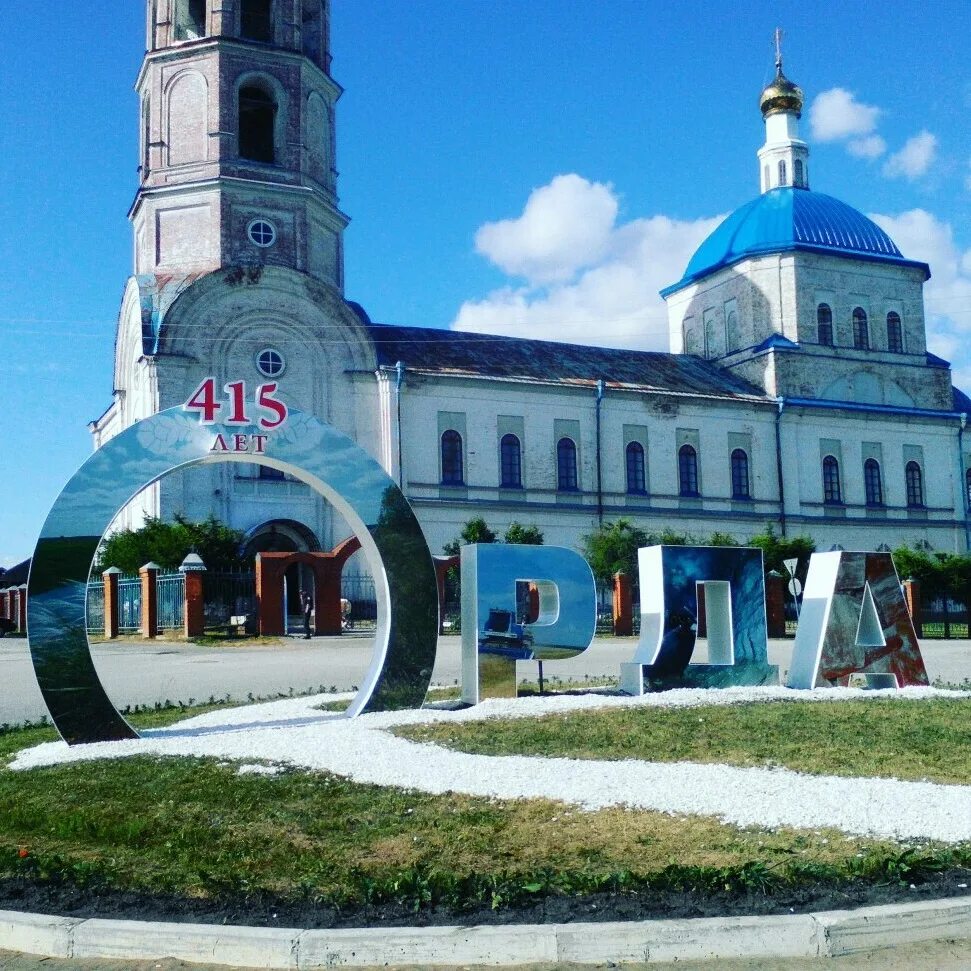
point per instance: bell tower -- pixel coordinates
(237, 159)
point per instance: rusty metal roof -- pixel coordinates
(483, 355)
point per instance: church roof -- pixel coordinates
(787, 219)
(483, 355)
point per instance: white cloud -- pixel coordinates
(836, 114)
(947, 295)
(914, 159)
(564, 226)
(871, 147)
(613, 302)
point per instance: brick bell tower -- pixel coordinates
(237, 164)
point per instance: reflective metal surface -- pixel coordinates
(734, 585)
(521, 603)
(854, 621)
(326, 459)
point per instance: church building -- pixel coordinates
(798, 390)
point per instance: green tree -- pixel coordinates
(476, 530)
(167, 544)
(612, 548)
(776, 549)
(523, 535)
(939, 574)
(721, 539)
(668, 537)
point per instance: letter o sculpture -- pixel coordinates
(327, 460)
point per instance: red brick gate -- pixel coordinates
(271, 569)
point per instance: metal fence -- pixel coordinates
(95, 608)
(170, 588)
(225, 595)
(358, 588)
(944, 617)
(129, 604)
(228, 595)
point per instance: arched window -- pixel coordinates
(510, 463)
(566, 465)
(831, 480)
(824, 324)
(687, 471)
(915, 485)
(861, 331)
(872, 483)
(895, 334)
(453, 472)
(740, 483)
(636, 478)
(256, 20)
(690, 338)
(732, 335)
(257, 120)
(190, 19)
(797, 173)
(783, 175)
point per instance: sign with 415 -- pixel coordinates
(265, 411)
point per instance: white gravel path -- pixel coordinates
(294, 732)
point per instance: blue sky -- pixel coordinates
(537, 167)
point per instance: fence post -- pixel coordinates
(623, 612)
(775, 603)
(269, 597)
(194, 604)
(328, 617)
(911, 589)
(23, 608)
(110, 580)
(149, 576)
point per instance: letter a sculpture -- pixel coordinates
(854, 621)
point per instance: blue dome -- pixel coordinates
(792, 219)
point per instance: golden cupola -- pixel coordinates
(781, 95)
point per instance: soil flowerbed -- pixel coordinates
(211, 840)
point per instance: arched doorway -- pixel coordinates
(286, 536)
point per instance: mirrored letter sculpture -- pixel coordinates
(300, 445)
(734, 599)
(854, 621)
(521, 603)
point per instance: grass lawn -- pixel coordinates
(927, 739)
(198, 828)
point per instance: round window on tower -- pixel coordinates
(261, 232)
(270, 363)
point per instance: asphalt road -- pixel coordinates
(140, 672)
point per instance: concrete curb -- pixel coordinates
(826, 934)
